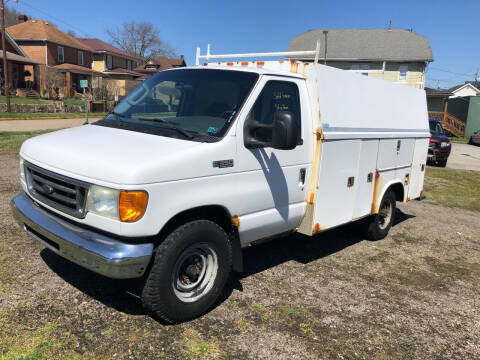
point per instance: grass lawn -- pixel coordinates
(22, 100)
(49, 115)
(453, 188)
(461, 140)
(10, 141)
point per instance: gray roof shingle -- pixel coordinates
(365, 44)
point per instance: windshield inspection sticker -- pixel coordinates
(212, 130)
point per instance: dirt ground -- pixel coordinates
(414, 294)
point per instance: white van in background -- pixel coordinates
(198, 162)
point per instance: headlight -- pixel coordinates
(22, 170)
(126, 206)
(103, 201)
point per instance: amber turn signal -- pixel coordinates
(132, 205)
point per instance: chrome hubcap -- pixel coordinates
(385, 215)
(195, 272)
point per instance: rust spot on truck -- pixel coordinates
(293, 66)
(317, 228)
(375, 193)
(236, 221)
(319, 134)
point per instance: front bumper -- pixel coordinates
(96, 252)
(438, 155)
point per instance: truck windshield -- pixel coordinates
(436, 127)
(191, 104)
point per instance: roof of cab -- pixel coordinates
(248, 68)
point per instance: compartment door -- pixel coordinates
(335, 198)
(366, 177)
(417, 174)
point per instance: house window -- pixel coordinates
(360, 67)
(402, 74)
(80, 58)
(109, 62)
(129, 64)
(61, 57)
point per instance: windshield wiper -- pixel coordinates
(118, 115)
(160, 120)
(173, 127)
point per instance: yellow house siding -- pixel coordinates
(99, 62)
(415, 74)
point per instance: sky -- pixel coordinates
(262, 26)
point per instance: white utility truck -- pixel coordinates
(198, 162)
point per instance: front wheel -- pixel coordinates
(190, 270)
(378, 225)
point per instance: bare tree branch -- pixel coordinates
(140, 39)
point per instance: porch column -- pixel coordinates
(68, 84)
(445, 109)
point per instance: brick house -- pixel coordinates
(117, 66)
(56, 52)
(17, 60)
(159, 63)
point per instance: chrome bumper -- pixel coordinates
(93, 251)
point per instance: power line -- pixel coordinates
(450, 72)
(48, 15)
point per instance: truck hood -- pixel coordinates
(115, 156)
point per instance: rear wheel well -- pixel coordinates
(398, 190)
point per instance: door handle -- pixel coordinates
(301, 178)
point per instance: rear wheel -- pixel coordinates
(378, 225)
(190, 270)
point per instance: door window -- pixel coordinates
(275, 96)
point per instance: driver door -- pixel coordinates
(274, 181)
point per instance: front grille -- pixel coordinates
(60, 192)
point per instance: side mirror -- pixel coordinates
(284, 132)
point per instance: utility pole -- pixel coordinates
(4, 50)
(476, 76)
(325, 32)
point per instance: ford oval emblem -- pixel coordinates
(47, 189)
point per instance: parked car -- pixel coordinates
(251, 152)
(475, 138)
(439, 145)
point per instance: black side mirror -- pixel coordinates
(284, 132)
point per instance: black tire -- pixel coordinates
(375, 227)
(442, 163)
(179, 254)
(470, 142)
